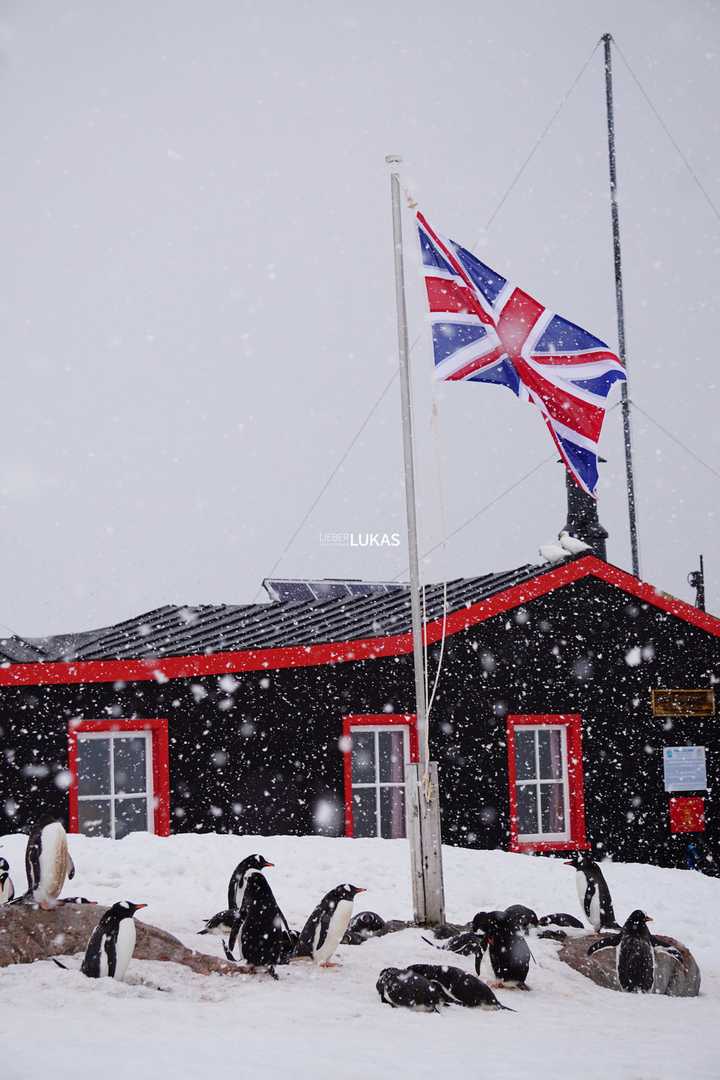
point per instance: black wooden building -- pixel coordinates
(559, 719)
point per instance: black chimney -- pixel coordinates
(582, 520)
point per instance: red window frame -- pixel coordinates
(160, 765)
(408, 720)
(576, 794)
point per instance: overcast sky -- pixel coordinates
(196, 294)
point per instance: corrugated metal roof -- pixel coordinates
(209, 628)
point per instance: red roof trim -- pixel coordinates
(179, 667)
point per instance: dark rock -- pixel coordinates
(671, 978)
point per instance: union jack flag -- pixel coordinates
(486, 329)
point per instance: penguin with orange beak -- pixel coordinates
(112, 942)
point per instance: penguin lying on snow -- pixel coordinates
(326, 927)
(47, 864)
(593, 892)
(635, 958)
(462, 987)
(560, 918)
(521, 917)
(261, 930)
(366, 923)
(225, 925)
(7, 889)
(112, 942)
(466, 944)
(409, 990)
(253, 864)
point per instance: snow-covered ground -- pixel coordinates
(330, 1023)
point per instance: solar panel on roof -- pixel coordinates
(283, 590)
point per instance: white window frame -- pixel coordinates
(537, 783)
(112, 797)
(364, 729)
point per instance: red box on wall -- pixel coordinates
(687, 814)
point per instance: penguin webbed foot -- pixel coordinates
(329, 964)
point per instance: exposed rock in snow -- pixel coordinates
(671, 978)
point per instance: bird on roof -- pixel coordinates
(553, 553)
(572, 544)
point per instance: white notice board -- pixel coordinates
(684, 768)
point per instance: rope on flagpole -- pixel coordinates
(540, 139)
(330, 478)
(675, 439)
(667, 131)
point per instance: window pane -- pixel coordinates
(392, 756)
(551, 762)
(525, 753)
(552, 809)
(527, 808)
(93, 766)
(363, 757)
(364, 812)
(392, 812)
(94, 817)
(130, 773)
(130, 816)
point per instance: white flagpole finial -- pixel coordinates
(393, 159)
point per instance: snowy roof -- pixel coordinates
(210, 628)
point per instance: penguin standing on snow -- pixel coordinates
(47, 863)
(508, 950)
(7, 889)
(253, 864)
(635, 957)
(462, 987)
(326, 927)
(112, 942)
(593, 892)
(263, 936)
(409, 990)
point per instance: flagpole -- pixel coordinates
(629, 473)
(422, 793)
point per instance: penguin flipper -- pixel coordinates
(589, 893)
(63, 966)
(228, 952)
(71, 871)
(609, 941)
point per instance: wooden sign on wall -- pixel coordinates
(683, 702)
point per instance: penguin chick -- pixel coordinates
(7, 889)
(462, 987)
(465, 944)
(253, 864)
(112, 942)
(327, 924)
(224, 924)
(407, 989)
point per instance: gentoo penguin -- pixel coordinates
(253, 864)
(7, 889)
(521, 917)
(593, 892)
(508, 951)
(635, 957)
(409, 990)
(465, 944)
(263, 936)
(225, 925)
(560, 918)
(47, 863)
(326, 927)
(461, 986)
(366, 923)
(112, 942)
